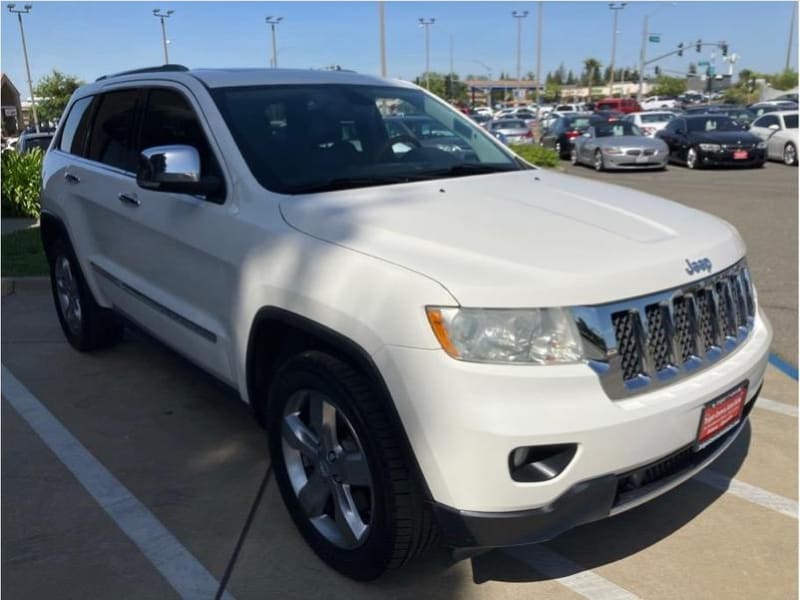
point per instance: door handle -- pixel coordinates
(129, 199)
(70, 178)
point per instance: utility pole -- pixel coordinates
(519, 15)
(615, 8)
(791, 36)
(642, 56)
(425, 24)
(273, 23)
(19, 12)
(538, 57)
(157, 12)
(382, 27)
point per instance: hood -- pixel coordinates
(522, 239)
(631, 141)
(724, 137)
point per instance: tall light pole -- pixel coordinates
(157, 12)
(518, 16)
(19, 12)
(538, 57)
(425, 24)
(615, 8)
(273, 23)
(791, 35)
(382, 26)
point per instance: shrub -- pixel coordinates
(541, 157)
(20, 183)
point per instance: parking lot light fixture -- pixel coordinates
(518, 16)
(273, 22)
(164, 14)
(12, 8)
(425, 24)
(615, 8)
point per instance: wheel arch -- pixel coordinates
(277, 333)
(51, 228)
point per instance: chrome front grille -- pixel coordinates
(645, 343)
(649, 151)
(633, 152)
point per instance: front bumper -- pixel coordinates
(622, 161)
(725, 158)
(464, 419)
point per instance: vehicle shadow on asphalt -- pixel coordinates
(609, 540)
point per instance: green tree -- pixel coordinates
(669, 86)
(783, 81)
(439, 86)
(591, 66)
(52, 94)
(571, 78)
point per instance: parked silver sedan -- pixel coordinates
(515, 131)
(618, 145)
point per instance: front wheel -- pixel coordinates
(341, 469)
(790, 155)
(599, 163)
(691, 158)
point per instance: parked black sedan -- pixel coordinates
(712, 139)
(563, 131)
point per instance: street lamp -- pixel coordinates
(643, 51)
(157, 12)
(615, 8)
(518, 16)
(12, 8)
(425, 24)
(538, 59)
(273, 23)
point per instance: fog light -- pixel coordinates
(540, 463)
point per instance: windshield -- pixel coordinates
(656, 117)
(306, 138)
(43, 143)
(509, 124)
(713, 123)
(616, 129)
(577, 123)
(790, 121)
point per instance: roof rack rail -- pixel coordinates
(160, 69)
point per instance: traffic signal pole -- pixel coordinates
(723, 46)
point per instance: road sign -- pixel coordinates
(655, 38)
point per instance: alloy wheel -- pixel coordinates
(327, 468)
(790, 155)
(598, 161)
(68, 294)
(691, 158)
(558, 149)
(573, 156)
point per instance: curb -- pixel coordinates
(9, 285)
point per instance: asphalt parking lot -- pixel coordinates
(130, 474)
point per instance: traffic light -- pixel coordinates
(697, 46)
(724, 47)
(658, 71)
(680, 49)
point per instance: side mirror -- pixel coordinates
(774, 127)
(174, 169)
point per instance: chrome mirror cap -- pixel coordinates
(162, 167)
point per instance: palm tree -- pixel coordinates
(591, 66)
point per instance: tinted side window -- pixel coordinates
(76, 128)
(112, 132)
(169, 119)
(768, 120)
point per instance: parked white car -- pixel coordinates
(656, 102)
(570, 108)
(779, 130)
(650, 122)
(452, 346)
(484, 110)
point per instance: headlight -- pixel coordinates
(526, 336)
(761, 145)
(710, 147)
(612, 150)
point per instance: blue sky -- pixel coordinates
(89, 39)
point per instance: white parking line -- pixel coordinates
(748, 492)
(778, 407)
(178, 566)
(588, 584)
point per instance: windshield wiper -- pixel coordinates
(465, 169)
(345, 183)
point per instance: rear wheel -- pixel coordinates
(573, 156)
(599, 164)
(341, 469)
(790, 155)
(558, 149)
(86, 325)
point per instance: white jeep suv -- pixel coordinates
(441, 345)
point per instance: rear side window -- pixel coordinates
(111, 140)
(170, 120)
(76, 128)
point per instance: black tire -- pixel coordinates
(401, 525)
(693, 158)
(95, 326)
